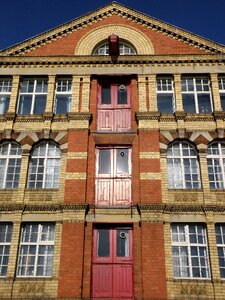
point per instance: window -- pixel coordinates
(220, 240)
(221, 81)
(190, 251)
(44, 166)
(5, 93)
(165, 95)
(32, 96)
(5, 240)
(10, 162)
(196, 95)
(216, 165)
(63, 96)
(183, 166)
(124, 48)
(36, 250)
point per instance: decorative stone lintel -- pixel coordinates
(148, 115)
(43, 208)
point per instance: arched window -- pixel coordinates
(216, 165)
(44, 166)
(183, 166)
(10, 162)
(125, 49)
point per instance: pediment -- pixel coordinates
(148, 35)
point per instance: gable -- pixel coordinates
(149, 36)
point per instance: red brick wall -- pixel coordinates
(71, 260)
(153, 262)
(150, 188)
(75, 189)
(162, 44)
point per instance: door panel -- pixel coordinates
(122, 283)
(112, 263)
(103, 191)
(102, 281)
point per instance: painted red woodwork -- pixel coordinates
(113, 45)
(113, 176)
(112, 262)
(114, 113)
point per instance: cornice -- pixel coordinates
(105, 61)
(80, 116)
(43, 208)
(155, 115)
(124, 12)
(170, 208)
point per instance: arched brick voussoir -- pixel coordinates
(139, 40)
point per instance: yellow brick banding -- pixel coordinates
(138, 39)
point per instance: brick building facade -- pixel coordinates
(112, 162)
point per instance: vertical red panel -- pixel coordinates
(122, 281)
(102, 280)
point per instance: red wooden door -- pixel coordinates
(113, 176)
(114, 107)
(112, 264)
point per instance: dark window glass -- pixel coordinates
(122, 240)
(222, 97)
(165, 103)
(189, 103)
(39, 104)
(204, 103)
(122, 94)
(25, 104)
(103, 243)
(106, 94)
(62, 104)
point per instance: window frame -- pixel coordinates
(192, 159)
(167, 91)
(221, 245)
(5, 93)
(4, 245)
(195, 92)
(8, 158)
(190, 246)
(67, 93)
(33, 94)
(32, 184)
(36, 245)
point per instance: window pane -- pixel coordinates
(104, 162)
(25, 103)
(4, 103)
(106, 94)
(204, 103)
(222, 98)
(122, 162)
(122, 241)
(122, 94)
(39, 104)
(62, 104)
(188, 103)
(103, 245)
(165, 103)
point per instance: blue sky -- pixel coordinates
(22, 19)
